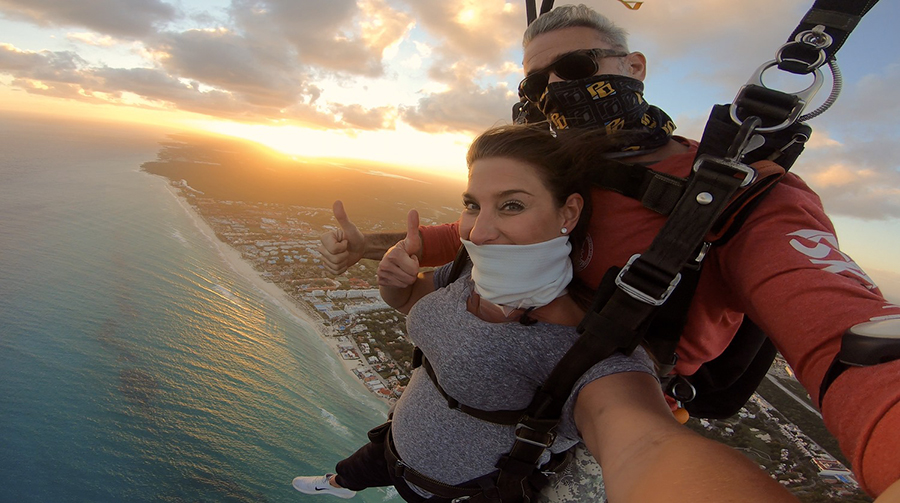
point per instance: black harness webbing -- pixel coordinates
(491, 416)
(429, 484)
(645, 283)
(531, 9)
(837, 17)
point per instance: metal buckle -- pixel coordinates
(551, 435)
(803, 96)
(748, 171)
(639, 295)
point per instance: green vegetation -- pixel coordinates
(809, 423)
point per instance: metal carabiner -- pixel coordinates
(815, 39)
(803, 97)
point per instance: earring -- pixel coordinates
(563, 230)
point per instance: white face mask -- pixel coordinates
(521, 276)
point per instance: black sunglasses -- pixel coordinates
(572, 66)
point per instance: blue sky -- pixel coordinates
(410, 82)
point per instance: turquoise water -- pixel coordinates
(135, 364)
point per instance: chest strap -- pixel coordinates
(507, 417)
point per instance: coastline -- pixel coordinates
(275, 293)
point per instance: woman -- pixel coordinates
(493, 336)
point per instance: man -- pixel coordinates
(783, 269)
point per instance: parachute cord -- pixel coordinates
(837, 85)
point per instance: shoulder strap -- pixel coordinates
(458, 263)
(531, 9)
(837, 18)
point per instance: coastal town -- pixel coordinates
(280, 242)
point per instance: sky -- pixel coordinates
(411, 82)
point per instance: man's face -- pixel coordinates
(548, 47)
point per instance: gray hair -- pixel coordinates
(569, 16)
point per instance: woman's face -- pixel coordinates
(506, 202)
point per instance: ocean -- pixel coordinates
(135, 363)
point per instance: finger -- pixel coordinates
(396, 278)
(335, 270)
(397, 268)
(341, 215)
(332, 242)
(333, 256)
(413, 241)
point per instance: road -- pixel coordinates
(795, 397)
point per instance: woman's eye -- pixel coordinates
(470, 206)
(512, 206)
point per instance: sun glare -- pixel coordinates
(404, 148)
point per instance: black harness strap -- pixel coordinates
(726, 383)
(491, 416)
(429, 484)
(644, 284)
(838, 17)
(531, 9)
(656, 191)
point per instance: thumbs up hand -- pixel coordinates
(399, 267)
(343, 247)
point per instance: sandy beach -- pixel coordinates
(275, 293)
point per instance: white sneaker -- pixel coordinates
(320, 485)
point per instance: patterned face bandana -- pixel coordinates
(613, 102)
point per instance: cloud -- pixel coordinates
(461, 104)
(123, 18)
(66, 75)
(706, 30)
(367, 119)
(869, 103)
(853, 159)
(339, 35)
(859, 178)
(61, 67)
(464, 108)
(481, 31)
(93, 39)
(267, 60)
(264, 76)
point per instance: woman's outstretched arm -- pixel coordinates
(648, 457)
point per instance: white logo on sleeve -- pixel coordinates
(887, 316)
(822, 249)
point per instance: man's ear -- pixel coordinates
(571, 211)
(636, 65)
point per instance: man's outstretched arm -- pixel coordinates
(345, 246)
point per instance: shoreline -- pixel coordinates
(276, 294)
